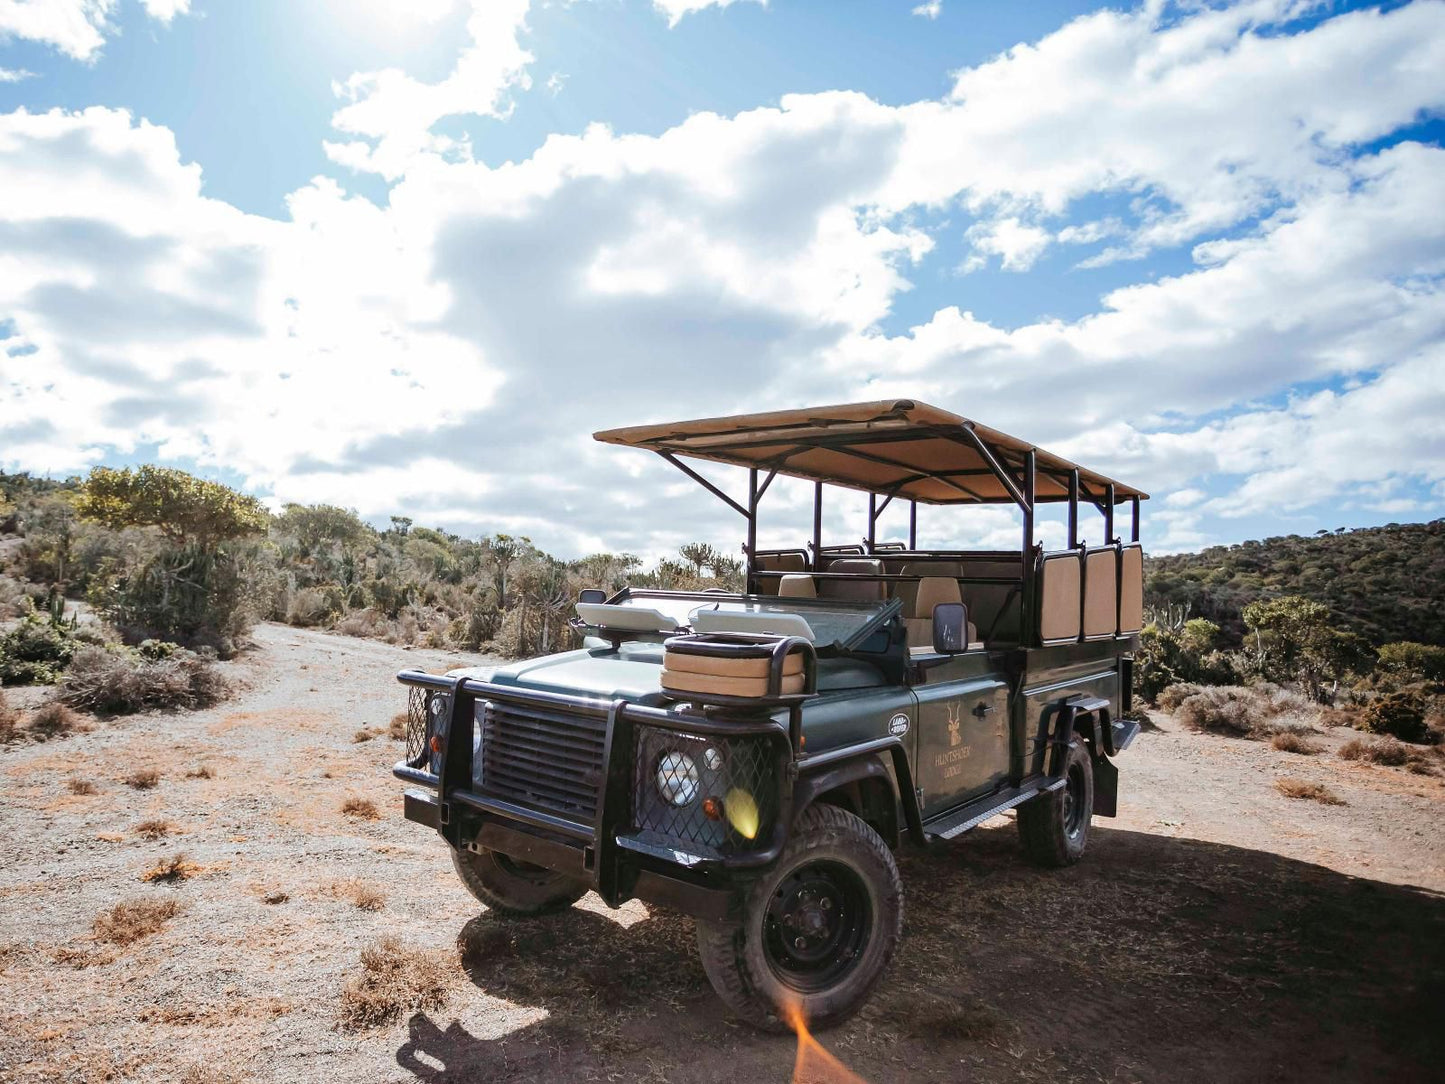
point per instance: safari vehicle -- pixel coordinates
(754, 759)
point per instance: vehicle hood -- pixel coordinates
(633, 674)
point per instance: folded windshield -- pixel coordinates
(840, 623)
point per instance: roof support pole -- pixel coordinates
(872, 518)
(1134, 534)
(1026, 572)
(700, 480)
(1074, 508)
(1109, 514)
(752, 524)
(913, 524)
(1005, 479)
(817, 525)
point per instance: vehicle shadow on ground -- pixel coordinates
(1156, 958)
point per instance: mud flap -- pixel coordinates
(1106, 787)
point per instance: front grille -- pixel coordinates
(543, 758)
(426, 715)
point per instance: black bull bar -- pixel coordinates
(607, 850)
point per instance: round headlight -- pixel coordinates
(677, 778)
(712, 758)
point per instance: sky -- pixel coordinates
(405, 256)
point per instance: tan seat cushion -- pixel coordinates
(684, 681)
(931, 591)
(1131, 589)
(861, 589)
(678, 662)
(797, 586)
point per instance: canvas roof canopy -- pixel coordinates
(899, 447)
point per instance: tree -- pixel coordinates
(318, 525)
(1294, 639)
(698, 554)
(184, 508)
(1411, 662)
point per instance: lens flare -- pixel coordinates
(814, 1065)
(742, 812)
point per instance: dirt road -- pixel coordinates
(1217, 931)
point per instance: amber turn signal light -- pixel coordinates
(436, 743)
(712, 809)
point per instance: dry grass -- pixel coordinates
(81, 786)
(143, 778)
(201, 772)
(118, 682)
(1289, 742)
(360, 894)
(361, 736)
(275, 897)
(53, 720)
(396, 979)
(1391, 753)
(361, 808)
(133, 919)
(396, 730)
(1302, 788)
(155, 829)
(210, 1074)
(10, 722)
(178, 867)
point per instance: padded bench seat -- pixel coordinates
(737, 666)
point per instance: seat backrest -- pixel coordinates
(1101, 593)
(907, 590)
(1060, 583)
(797, 585)
(862, 589)
(931, 591)
(1131, 589)
(778, 562)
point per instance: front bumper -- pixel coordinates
(601, 830)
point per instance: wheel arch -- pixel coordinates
(1091, 724)
(863, 786)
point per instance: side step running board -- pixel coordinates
(990, 805)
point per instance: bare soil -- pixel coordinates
(1216, 931)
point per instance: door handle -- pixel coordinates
(983, 709)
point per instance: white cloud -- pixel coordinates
(676, 9)
(447, 354)
(166, 10)
(15, 75)
(77, 28)
(930, 10)
(395, 113)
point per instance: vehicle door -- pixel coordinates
(962, 732)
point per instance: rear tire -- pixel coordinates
(1055, 827)
(816, 932)
(515, 888)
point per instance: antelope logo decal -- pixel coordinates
(955, 719)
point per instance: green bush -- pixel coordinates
(1400, 715)
(35, 651)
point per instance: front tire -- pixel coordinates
(816, 932)
(1055, 827)
(512, 887)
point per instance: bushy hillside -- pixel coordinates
(1385, 583)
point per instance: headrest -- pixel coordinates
(865, 566)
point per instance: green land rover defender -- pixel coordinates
(755, 759)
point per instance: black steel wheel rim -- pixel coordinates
(817, 925)
(1075, 805)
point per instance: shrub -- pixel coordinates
(1292, 743)
(1400, 715)
(133, 919)
(53, 719)
(396, 730)
(395, 979)
(80, 786)
(361, 736)
(1301, 788)
(35, 651)
(1170, 699)
(201, 771)
(1224, 710)
(154, 829)
(120, 681)
(1389, 752)
(10, 722)
(308, 606)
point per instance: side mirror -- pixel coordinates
(950, 628)
(592, 595)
